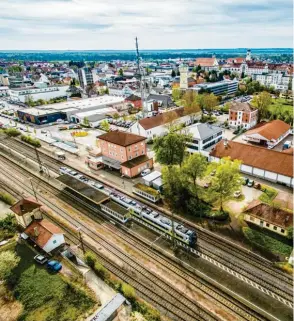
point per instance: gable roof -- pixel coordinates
(121, 138)
(259, 157)
(202, 130)
(25, 205)
(42, 231)
(205, 62)
(271, 130)
(160, 119)
(238, 106)
(133, 98)
(270, 214)
(165, 99)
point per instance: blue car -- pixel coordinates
(54, 266)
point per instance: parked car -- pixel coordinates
(145, 172)
(250, 183)
(43, 131)
(257, 186)
(40, 259)
(237, 194)
(54, 266)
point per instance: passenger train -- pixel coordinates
(139, 212)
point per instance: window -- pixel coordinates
(267, 225)
(130, 157)
(282, 230)
(251, 218)
(275, 228)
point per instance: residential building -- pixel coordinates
(121, 91)
(4, 91)
(4, 80)
(277, 80)
(264, 163)
(268, 217)
(268, 134)
(163, 101)
(225, 87)
(45, 234)
(38, 91)
(154, 126)
(134, 100)
(125, 152)
(204, 137)
(207, 64)
(85, 77)
(242, 115)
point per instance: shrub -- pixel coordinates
(217, 215)
(7, 198)
(90, 258)
(100, 270)
(11, 132)
(128, 291)
(30, 140)
(8, 227)
(268, 194)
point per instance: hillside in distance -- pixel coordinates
(273, 54)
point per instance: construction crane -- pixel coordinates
(142, 79)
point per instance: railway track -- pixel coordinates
(250, 268)
(241, 312)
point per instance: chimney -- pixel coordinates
(226, 143)
(36, 232)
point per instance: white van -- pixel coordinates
(145, 172)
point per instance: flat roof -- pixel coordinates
(152, 176)
(38, 112)
(83, 188)
(109, 308)
(96, 112)
(87, 102)
(116, 207)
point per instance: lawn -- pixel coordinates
(281, 106)
(267, 242)
(46, 296)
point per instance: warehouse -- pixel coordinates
(92, 118)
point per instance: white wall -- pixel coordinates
(51, 245)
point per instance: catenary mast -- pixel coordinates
(142, 79)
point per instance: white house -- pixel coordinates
(242, 115)
(154, 126)
(268, 134)
(121, 91)
(264, 163)
(45, 234)
(204, 136)
(277, 80)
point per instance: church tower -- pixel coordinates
(248, 55)
(183, 76)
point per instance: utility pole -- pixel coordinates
(33, 188)
(39, 160)
(81, 239)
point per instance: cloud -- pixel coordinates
(113, 24)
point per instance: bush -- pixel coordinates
(8, 227)
(90, 258)
(268, 194)
(267, 242)
(7, 198)
(98, 268)
(12, 132)
(30, 140)
(217, 215)
(128, 291)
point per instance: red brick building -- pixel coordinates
(134, 100)
(125, 152)
(242, 115)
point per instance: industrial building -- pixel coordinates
(72, 110)
(225, 87)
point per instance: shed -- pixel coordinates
(158, 184)
(148, 179)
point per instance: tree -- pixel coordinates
(194, 167)
(12, 132)
(104, 125)
(86, 121)
(210, 102)
(128, 291)
(106, 91)
(8, 261)
(227, 180)
(173, 74)
(262, 102)
(121, 72)
(170, 149)
(90, 89)
(191, 105)
(176, 94)
(169, 119)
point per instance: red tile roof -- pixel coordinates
(267, 159)
(238, 106)
(270, 130)
(121, 138)
(205, 62)
(159, 119)
(25, 205)
(270, 214)
(42, 231)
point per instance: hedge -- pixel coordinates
(262, 240)
(30, 140)
(268, 194)
(7, 198)
(11, 132)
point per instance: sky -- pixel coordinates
(161, 24)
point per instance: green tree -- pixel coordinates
(210, 102)
(170, 149)
(86, 121)
(116, 116)
(191, 105)
(11, 132)
(8, 261)
(227, 180)
(176, 94)
(173, 74)
(106, 91)
(104, 125)
(128, 291)
(262, 102)
(121, 72)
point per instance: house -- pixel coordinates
(4, 91)
(125, 152)
(45, 234)
(26, 210)
(204, 136)
(154, 126)
(163, 101)
(277, 80)
(136, 101)
(237, 60)
(264, 163)
(268, 217)
(268, 134)
(207, 64)
(242, 115)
